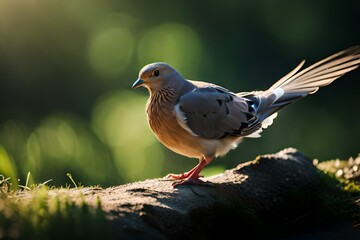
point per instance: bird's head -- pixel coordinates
(155, 76)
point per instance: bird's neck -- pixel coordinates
(159, 107)
(169, 94)
(161, 103)
(162, 100)
(163, 96)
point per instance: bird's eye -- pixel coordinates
(156, 73)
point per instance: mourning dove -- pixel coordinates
(202, 120)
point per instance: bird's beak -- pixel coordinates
(138, 83)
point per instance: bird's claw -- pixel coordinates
(181, 176)
(188, 181)
(176, 176)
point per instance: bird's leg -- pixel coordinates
(193, 174)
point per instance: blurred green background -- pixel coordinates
(66, 69)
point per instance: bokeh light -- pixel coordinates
(119, 120)
(174, 43)
(110, 52)
(66, 69)
(7, 167)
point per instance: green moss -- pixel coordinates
(341, 195)
(36, 216)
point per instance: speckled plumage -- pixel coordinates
(202, 120)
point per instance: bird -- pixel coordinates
(202, 120)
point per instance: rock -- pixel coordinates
(271, 196)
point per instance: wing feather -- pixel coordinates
(212, 112)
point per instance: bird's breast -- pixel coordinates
(164, 125)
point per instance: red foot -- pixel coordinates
(188, 181)
(179, 176)
(190, 177)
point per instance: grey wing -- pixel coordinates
(215, 113)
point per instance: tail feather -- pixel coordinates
(319, 74)
(318, 81)
(297, 84)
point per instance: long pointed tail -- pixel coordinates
(298, 84)
(321, 73)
